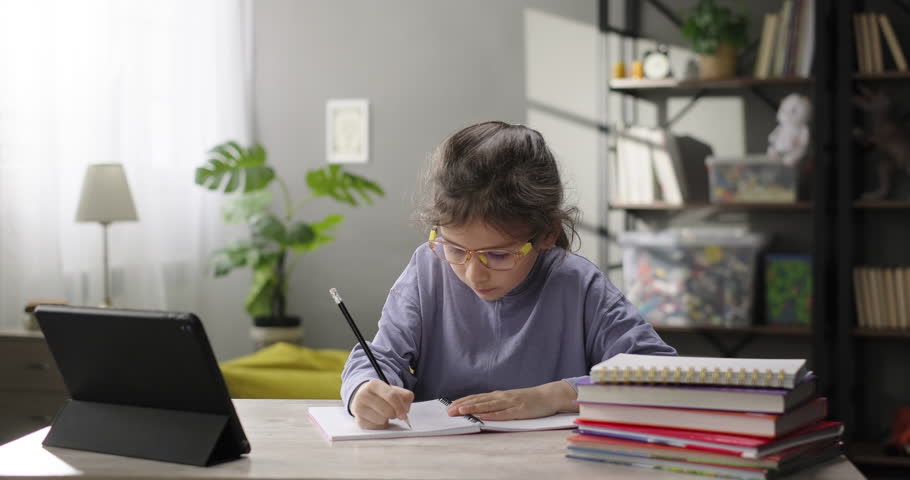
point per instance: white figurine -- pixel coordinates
(789, 141)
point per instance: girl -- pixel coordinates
(493, 310)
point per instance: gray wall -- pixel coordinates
(428, 68)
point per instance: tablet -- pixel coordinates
(135, 369)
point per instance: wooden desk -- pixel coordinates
(286, 445)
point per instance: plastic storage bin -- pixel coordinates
(690, 277)
(753, 178)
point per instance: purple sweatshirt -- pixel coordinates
(438, 338)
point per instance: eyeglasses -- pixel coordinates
(494, 259)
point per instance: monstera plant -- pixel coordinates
(277, 237)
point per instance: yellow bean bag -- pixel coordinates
(283, 370)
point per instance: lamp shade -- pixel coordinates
(105, 195)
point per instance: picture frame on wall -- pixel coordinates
(347, 130)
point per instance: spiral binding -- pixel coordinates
(715, 376)
(445, 401)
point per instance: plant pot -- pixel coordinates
(721, 64)
(269, 330)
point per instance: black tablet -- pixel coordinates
(142, 383)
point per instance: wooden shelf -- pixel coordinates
(881, 205)
(782, 330)
(867, 453)
(881, 332)
(729, 83)
(721, 206)
(882, 76)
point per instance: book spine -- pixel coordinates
(893, 44)
(704, 376)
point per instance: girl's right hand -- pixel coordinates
(376, 402)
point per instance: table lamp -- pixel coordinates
(105, 199)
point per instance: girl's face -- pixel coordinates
(490, 285)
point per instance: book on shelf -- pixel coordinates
(792, 38)
(780, 47)
(428, 419)
(806, 47)
(766, 46)
(859, 40)
(765, 400)
(882, 297)
(873, 30)
(752, 372)
(648, 167)
(897, 53)
(743, 445)
(778, 461)
(744, 423)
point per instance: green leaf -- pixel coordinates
(334, 182)
(239, 165)
(270, 227)
(259, 300)
(300, 234)
(328, 223)
(226, 259)
(242, 208)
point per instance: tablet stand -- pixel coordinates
(168, 435)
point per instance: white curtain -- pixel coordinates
(151, 84)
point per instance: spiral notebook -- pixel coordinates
(428, 419)
(746, 372)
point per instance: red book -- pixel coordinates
(622, 446)
(743, 445)
(743, 423)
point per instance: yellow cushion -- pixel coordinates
(283, 370)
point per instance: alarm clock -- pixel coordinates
(656, 63)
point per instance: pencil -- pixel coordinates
(363, 343)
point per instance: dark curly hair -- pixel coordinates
(502, 175)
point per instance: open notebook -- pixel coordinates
(428, 419)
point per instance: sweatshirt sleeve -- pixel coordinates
(395, 344)
(614, 327)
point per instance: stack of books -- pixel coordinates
(726, 417)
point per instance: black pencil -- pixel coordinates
(363, 343)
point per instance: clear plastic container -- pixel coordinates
(691, 277)
(753, 178)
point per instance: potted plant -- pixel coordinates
(715, 32)
(276, 239)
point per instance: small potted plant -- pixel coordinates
(716, 32)
(276, 239)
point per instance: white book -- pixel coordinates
(806, 39)
(428, 419)
(875, 42)
(859, 297)
(766, 46)
(751, 372)
(649, 155)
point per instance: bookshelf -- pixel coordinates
(803, 225)
(630, 84)
(845, 231)
(881, 205)
(881, 333)
(781, 330)
(867, 233)
(796, 206)
(881, 76)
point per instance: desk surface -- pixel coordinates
(286, 445)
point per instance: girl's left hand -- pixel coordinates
(521, 403)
